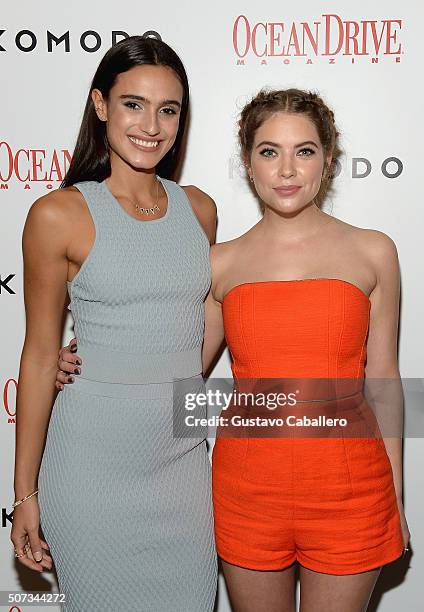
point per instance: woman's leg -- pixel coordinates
(260, 591)
(331, 593)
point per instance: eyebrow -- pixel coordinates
(143, 99)
(274, 144)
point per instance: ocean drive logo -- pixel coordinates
(329, 37)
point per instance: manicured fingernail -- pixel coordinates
(71, 379)
(77, 371)
(73, 349)
(78, 361)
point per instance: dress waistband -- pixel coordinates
(304, 390)
(108, 365)
(338, 398)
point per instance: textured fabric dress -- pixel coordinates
(125, 502)
(325, 501)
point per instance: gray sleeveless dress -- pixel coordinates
(125, 500)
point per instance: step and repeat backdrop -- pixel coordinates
(365, 60)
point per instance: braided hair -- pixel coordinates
(293, 101)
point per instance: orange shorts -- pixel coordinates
(329, 504)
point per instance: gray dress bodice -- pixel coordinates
(138, 298)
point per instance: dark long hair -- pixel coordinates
(90, 161)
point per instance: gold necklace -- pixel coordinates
(153, 210)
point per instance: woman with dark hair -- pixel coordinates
(124, 505)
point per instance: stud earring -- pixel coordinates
(99, 113)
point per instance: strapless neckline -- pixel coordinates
(297, 280)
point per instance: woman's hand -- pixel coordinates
(25, 538)
(68, 363)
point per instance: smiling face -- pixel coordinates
(287, 162)
(142, 113)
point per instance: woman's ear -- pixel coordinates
(99, 104)
(327, 168)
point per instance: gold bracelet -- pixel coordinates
(19, 501)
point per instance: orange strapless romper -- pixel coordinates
(328, 503)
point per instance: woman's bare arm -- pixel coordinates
(45, 239)
(214, 332)
(205, 210)
(214, 339)
(382, 371)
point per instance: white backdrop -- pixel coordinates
(373, 81)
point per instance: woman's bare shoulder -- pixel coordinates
(57, 202)
(227, 249)
(374, 243)
(54, 219)
(231, 249)
(374, 247)
(204, 208)
(57, 207)
(369, 240)
(199, 197)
